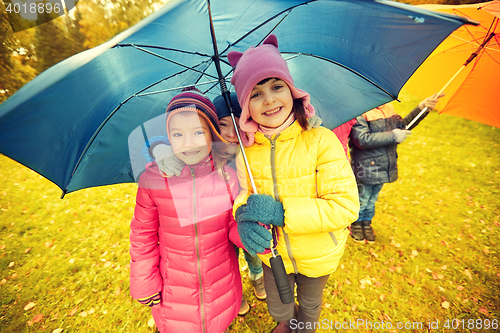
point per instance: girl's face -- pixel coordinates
(228, 132)
(190, 137)
(271, 103)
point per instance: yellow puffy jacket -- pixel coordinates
(309, 173)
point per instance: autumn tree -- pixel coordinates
(14, 73)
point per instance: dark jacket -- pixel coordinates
(373, 144)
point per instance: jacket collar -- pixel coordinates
(203, 168)
(290, 132)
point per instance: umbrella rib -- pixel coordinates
(264, 23)
(137, 94)
(345, 67)
(163, 48)
(181, 87)
(172, 61)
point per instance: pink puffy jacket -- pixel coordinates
(342, 132)
(181, 244)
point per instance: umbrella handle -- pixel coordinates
(409, 126)
(417, 117)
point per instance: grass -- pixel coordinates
(436, 255)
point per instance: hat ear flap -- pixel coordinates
(234, 57)
(271, 39)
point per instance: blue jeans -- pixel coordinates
(254, 264)
(368, 195)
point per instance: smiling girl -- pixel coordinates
(183, 262)
(306, 187)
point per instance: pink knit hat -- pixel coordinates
(254, 65)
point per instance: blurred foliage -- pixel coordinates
(27, 53)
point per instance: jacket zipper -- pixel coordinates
(198, 263)
(277, 198)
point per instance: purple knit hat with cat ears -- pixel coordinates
(254, 65)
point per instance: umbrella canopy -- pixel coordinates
(80, 122)
(473, 92)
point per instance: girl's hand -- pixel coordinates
(151, 300)
(255, 237)
(314, 122)
(166, 160)
(262, 208)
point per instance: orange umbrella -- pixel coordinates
(466, 66)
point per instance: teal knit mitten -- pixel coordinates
(264, 209)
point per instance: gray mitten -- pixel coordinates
(314, 122)
(166, 160)
(400, 135)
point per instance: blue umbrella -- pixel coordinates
(83, 122)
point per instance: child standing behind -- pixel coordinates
(182, 233)
(373, 141)
(306, 187)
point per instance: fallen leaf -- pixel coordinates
(11, 264)
(105, 312)
(47, 244)
(378, 284)
(72, 313)
(14, 276)
(83, 314)
(414, 253)
(118, 291)
(348, 282)
(3, 281)
(411, 281)
(441, 288)
(27, 250)
(55, 316)
(334, 294)
(445, 304)
(29, 323)
(57, 330)
(382, 297)
(434, 276)
(72, 261)
(428, 270)
(440, 276)
(469, 275)
(28, 306)
(151, 322)
(327, 305)
(485, 250)
(460, 288)
(444, 267)
(38, 318)
(354, 307)
(91, 311)
(2, 247)
(484, 311)
(345, 300)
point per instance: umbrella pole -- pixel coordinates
(418, 116)
(245, 159)
(472, 56)
(226, 93)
